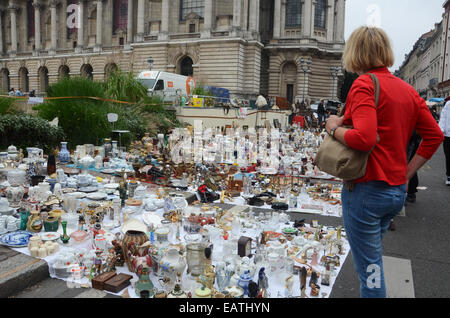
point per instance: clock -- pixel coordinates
(245, 246)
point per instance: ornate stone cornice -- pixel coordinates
(13, 7)
(54, 3)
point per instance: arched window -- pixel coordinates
(109, 69)
(186, 68)
(43, 79)
(188, 6)
(293, 13)
(4, 84)
(120, 15)
(24, 80)
(87, 71)
(320, 14)
(63, 72)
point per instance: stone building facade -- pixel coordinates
(247, 46)
(422, 67)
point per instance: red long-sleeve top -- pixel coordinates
(400, 111)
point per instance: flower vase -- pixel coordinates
(64, 154)
(65, 238)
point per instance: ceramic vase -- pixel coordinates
(64, 154)
(132, 236)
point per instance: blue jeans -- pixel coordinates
(367, 211)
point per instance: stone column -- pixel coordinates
(80, 43)
(99, 39)
(254, 16)
(1, 32)
(245, 14)
(277, 20)
(164, 34)
(330, 21)
(208, 19)
(13, 11)
(54, 27)
(140, 21)
(37, 26)
(313, 15)
(130, 23)
(340, 23)
(237, 14)
(307, 17)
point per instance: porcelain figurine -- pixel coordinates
(139, 256)
(263, 282)
(288, 284)
(207, 278)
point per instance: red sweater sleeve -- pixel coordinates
(363, 113)
(429, 130)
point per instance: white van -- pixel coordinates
(167, 85)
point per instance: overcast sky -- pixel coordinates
(404, 20)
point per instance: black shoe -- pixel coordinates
(411, 198)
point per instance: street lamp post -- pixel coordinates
(150, 62)
(335, 71)
(305, 66)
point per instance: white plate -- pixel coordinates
(152, 219)
(50, 236)
(97, 196)
(111, 186)
(108, 171)
(78, 195)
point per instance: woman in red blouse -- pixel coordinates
(370, 202)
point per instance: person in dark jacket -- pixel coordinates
(321, 113)
(411, 150)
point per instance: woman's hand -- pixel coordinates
(333, 122)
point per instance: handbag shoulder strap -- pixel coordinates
(376, 85)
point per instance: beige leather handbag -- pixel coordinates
(341, 161)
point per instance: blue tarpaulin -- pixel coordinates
(222, 93)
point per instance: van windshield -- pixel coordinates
(149, 83)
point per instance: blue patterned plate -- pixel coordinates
(16, 239)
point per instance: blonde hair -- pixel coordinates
(366, 49)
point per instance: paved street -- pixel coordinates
(421, 237)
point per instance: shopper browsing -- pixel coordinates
(370, 202)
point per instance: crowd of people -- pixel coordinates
(18, 92)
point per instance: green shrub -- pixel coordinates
(85, 120)
(125, 87)
(28, 131)
(7, 106)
